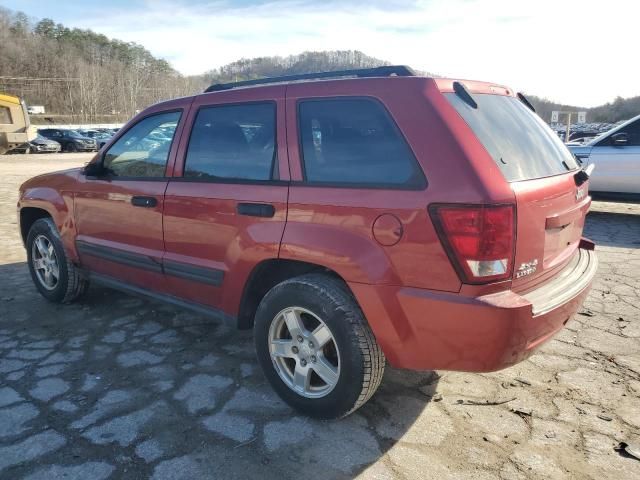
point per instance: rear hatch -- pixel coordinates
(550, 208)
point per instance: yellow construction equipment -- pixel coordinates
(14, 123)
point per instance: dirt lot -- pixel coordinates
(118, 387)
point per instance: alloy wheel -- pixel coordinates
(45, 262)
(304, 352)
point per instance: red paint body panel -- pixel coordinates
(201, 223)
(550, 224)
(53, 193)
(424, 330)
(420, 311)
(202, 228)
(106, 217)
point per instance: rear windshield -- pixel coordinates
(521, 144)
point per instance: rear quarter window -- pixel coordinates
(355, 142)
(518, 140)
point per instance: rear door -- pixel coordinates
(617, 166)
(551, 209)
(226, 204)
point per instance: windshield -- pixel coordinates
(74, 134)
(521, 144)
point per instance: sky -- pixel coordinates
(576, 52)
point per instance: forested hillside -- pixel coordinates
(83, 76)
(544, 107)
(619, 109)
(294, 64)
(79, 72)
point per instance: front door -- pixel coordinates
(226, 204)
(617, 166)
(119, 213)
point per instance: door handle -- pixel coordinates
(256, 209)
(147, 202)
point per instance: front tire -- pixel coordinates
(316, 348)
(55, 277)
(72, 147)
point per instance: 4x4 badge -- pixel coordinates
(527, 268)
(580, 194)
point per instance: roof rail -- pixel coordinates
(384, 71)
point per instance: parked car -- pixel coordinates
(579, 141)
(70, 140)
(39, 144)
(109, 131)
(430, 223)
(36, 109)
(616, 156)
(99, 136)
(577, 136)
(43, 145)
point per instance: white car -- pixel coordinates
(616, 156)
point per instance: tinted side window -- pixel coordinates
(143, 150)
(354, 141)
(233, 142)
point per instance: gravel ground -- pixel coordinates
(118, 387)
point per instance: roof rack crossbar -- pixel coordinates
(384, 71)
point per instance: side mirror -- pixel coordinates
(619, 139)
(94, 169)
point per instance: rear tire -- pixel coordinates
(72, 148)
(56, 278)
(322, 380)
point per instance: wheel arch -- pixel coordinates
(49, 196)
(266, 275)
(28, 216)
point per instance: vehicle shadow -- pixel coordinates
(170, 390)
(631, 198)
(613, 229)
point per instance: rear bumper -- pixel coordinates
(425, 330)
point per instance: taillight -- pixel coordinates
(479, 239)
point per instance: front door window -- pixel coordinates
(142, 152)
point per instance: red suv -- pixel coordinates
(349, 221)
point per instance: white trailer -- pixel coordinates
(35, 109)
